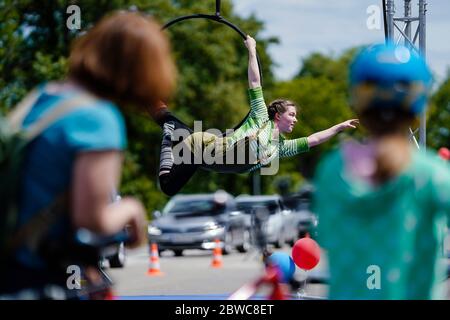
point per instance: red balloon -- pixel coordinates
(444, 153)
(306, 253)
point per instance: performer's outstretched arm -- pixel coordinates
(322, 136)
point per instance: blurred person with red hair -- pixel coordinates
(123, 61)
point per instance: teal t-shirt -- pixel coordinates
(48, 166)
(384, 242)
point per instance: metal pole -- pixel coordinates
(407, 40)
(256, 182)
(422, 25)
(413, 137)
(422, 48)
(385, 21)
(408, 23)
(390, 11)
(391, 25)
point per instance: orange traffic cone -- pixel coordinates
(217, 255)
(154, 269)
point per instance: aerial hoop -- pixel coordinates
(214, 17)
(217, 18)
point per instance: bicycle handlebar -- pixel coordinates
(88, 238)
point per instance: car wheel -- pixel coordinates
(291, 242)
(280, 241)
(246, 242)
(118, 260)
(302, 234)
(178, 252)
(227, 244)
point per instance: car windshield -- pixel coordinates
(247, 206)
(297, 204)
(192, 207)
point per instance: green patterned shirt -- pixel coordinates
(259, 125)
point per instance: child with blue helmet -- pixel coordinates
(382, 204)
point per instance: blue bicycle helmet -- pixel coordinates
(389, 76)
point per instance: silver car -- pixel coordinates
(197, 221)
(277, 228)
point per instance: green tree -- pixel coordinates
(335, 69)
(211, 59)
(438, 132)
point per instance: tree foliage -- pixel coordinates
(212, 85)
(438, 134)
(211, 60)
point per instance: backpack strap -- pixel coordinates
(17, 115)
(56, 113)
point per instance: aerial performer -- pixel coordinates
(257, 143)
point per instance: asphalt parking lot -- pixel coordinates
(191, 276)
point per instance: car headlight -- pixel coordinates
(154, 231)
(212, 226)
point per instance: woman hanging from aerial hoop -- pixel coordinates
(255, 144)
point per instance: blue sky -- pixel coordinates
(331, 26)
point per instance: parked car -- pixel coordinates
(278, 231)
(302, 216)
(196, 221)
